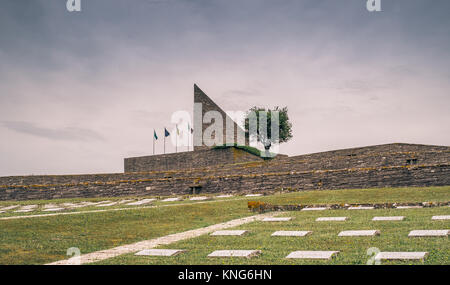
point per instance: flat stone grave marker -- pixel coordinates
(10, 207)
(290, 233)
(253, 195)
(159, 252)
(141, 202)
(274, 219)
(440, 217)
(428, 233)
(224, 196)
(400, 255)
(408, 207)
(235, 253)
(125, 201)
(312, 254)
(53, 209)
(107, 205)
(391, 218)
(28, 207)
(229, 233)
(171, 199)
(331, 219)
(359, 233)
(361, 208)
(50, 206)
(198, 198)
(23, 211)
(1, 212)
(314, 209)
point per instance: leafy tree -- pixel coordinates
(266, 138)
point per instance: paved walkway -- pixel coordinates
(147, 244)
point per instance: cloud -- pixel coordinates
(65, 134)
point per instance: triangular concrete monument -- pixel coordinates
(203, 105)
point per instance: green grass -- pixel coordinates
(46, 239)
(353, 250)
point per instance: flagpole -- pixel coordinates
(176, 139)
(164, 141)
(153, 143)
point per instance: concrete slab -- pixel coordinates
(198, 198)
(359, 233)
(229, 233)
(274, 219)
(159, 252)
(400, 255)
(428, 233)
(440, 218)
(224, 196)
(408, 207)
(253, 195)
(53, 209)
(171, 199)
(290, 233)
(235, 253)
(327, 255)
(390, 218)
(331, 219)
(361, 208)
(23, 211)
(107, 205)
(141, 202)
(314, 209)
(9, 207)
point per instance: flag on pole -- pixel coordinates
(178, 131)
(166, 132)
(154, 135)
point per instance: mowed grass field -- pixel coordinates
(46, 239)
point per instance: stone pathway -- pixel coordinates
(149, 244)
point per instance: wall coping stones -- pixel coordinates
(401, 255)
(159, 252)
(235, 253)
(359, 233)
(312, 254)
(428, 233)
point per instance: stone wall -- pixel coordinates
(190, 159)
(433, 175)
(391, 165)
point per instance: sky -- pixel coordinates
(79, 91)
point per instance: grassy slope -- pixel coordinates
(41, 240)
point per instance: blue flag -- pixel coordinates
(154, 135)
(166, 133)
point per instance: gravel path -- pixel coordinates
(147, 244)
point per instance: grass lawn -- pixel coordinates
(324, 236)
(46, 239)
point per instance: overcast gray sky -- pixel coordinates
(81, 91)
